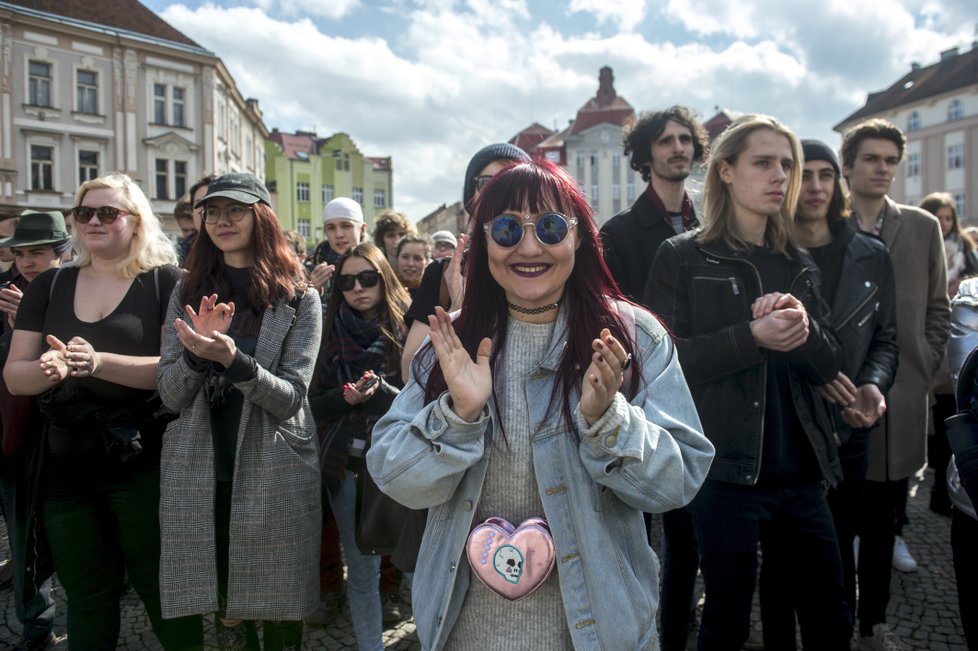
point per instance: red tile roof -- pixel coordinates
(605, 107)
(129, 15)
(530, 137)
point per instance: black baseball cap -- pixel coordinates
(240, 187)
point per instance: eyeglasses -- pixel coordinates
(367, 278)
(106, 214)
(480, 181)
(507, 231)
(234, 212)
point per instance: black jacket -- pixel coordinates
(630, 240)
(704, 293)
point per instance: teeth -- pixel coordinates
(530, 269)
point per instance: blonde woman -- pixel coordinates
(87, 343)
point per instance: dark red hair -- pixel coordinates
(275, 273)
(535, 187)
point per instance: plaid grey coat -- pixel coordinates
(276, 515)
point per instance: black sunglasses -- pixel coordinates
(507, 230)
(106, 214)
(367, 278)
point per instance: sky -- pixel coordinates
(429, 82)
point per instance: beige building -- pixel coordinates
(937, 108)
(444, 218)
(105, 85)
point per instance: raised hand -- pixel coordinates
(768, 303)
(218, 347)
(9, 302)
(212, 317)
(81, 358)
(469, 382)
(869, 407)
(603, 376)
(54, 362)
(453, 274)
(321, 274)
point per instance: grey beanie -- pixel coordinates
(818, 150)
(486, 155)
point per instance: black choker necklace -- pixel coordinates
(533, 310)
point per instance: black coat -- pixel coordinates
(630, 240)
(704, 293)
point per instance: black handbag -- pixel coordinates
(379, 518)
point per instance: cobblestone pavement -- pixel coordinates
(923, 609)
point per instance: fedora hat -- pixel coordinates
(36, 228)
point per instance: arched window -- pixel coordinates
(955, 111)
(913, 121)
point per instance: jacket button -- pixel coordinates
(611, 440)
(467, 505)
(868, 284)
(436, 423)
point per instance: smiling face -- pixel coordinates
(411, 263)
(232, 237)
(873, 168)
(365, 300)
(107, 241)
(530, 273)
(672, 153)
(817, 187)
(758, 179)
(33, 260)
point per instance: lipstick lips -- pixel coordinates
(529, 270)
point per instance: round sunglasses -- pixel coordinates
(507, 230)
(106, 214)
(368, 278)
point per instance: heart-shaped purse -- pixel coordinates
(511, 561)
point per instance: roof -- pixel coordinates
(605, 107)
(379, 163)
(952, 72)
(530, 137)
(719, 122)
(297, 146)
(129, 15)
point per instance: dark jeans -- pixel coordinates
(105, 527)
(680, 562)
(37, 615)
(879, 523)
(964, 547)
(939, 451)
(779, 597)
(729, 520)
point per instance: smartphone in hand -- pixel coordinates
(365, 384)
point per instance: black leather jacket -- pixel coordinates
(704, 293)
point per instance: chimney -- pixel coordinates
(915, 66)
(949, 53)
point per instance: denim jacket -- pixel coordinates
(594, 482)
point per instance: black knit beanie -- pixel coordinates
(818, 150)
(486, 155)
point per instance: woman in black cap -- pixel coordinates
(87, 342)
(240, 506)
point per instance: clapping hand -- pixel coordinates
(603, 376)
(54, 362)
(207, 338)
(469, 381)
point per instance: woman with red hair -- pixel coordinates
(240, 508)
(537, 428)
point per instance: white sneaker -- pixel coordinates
(882, 639)
(855, 551)
(902, 560)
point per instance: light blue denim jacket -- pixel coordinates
(594, 482)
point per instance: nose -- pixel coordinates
(529, 245)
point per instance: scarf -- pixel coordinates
(954, 250)
(689, 218)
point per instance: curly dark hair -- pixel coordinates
(641, 132)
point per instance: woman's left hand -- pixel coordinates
(218, 347)
(603, 377)
(212, 316)
(354, 393)
(82, 359)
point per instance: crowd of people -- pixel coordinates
(477, 425)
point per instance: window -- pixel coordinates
(913, 121)
(87, 90)
(304, 228)
(179, 178)
(338, 155)
(616, 191)
(302, 192)
(581, 158)
(42, 167)
(87, 166)
(960, 205)
(380, 199)
(553, 156)
(955, 156)
(178, 104)
(327, 193)
(346, 165)
(955, 111)
(594, 192)
(358, 195)
(39, 84)
(159, 103)
(631, 192)
(162, 178)
(913, 165)
(616, 160)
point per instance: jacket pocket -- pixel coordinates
(717, 302)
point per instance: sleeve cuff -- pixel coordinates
(609, 422)
(242, 369)
(195, 363)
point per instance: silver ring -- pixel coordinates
(193, 346)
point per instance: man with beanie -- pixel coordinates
(344, 228)
(442, 275)
(871, 155)
(663, 147)
(858, 284)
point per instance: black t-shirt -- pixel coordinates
(829, 261)
(786, 455)
(426, 296)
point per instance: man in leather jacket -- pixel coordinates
(743, 303)
(857, 282)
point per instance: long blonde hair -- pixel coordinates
(718, 211)
(149, 247)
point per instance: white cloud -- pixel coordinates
(324, 8)
(625, 13)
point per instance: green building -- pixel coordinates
(304, 172)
